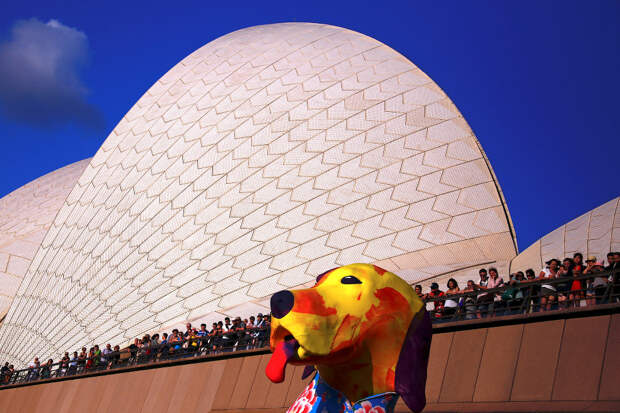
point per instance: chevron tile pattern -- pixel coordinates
(25, 216)
(262, 159)
(596, 232)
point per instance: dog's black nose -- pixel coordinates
(281, 303)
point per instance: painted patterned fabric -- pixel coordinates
(320, 397)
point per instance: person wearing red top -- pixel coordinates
(577, 287)
(90, 359)
(438, 304)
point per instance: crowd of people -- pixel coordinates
(571, 282)
(229, 335)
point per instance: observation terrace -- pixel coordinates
(517, 358)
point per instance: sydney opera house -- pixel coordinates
(257, 162)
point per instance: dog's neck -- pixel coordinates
(370, 370)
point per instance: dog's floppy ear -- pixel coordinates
(410, 377)
(308, 370)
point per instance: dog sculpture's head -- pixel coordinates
(364, 329)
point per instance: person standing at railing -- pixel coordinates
(176, 341)
(612, 261)
(5, 375)
(214, 337)
(613, 258)
(82, 360)
(46, 370)
(227, 324)
(578, 262)
(221, 329)
(228, 335)
(418, 291)
(33, 370)
(3, 372)
(484, 299)
(265, 331)
(563, 288)
(64, 365)
(548, 291)
(163, 346)
(578, 287)
(436, 294)
(260, 321)
(495, 281)
(250, 328)
(532, 292)
(203, 336)
(514, 295)
(451, 304)
(469, 300)
(73, 364)
(154, 347)
(96, 356)
(115, 357)
(105, 355)
(145, 349)
(8, 374)
(597, 284)
(90, 359)
(133, 350)
(258, 325)
(193, 342)
(239, 330)
(188, 330)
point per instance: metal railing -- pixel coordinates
(513, 298)
(527, 296)
(226, 342)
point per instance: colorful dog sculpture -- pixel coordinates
(366, 332)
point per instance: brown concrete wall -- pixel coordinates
(560, 365)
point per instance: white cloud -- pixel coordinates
(39, 75)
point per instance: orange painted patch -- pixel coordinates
(392, 298)
(344, 330)
(391, 301)
(390, 377)
(379, 270)
(311, 302)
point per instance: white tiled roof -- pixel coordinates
(25, 216)
(262, 159)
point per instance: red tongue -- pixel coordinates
(283, 352)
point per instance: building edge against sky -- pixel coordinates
(260, 160)
(594, 233)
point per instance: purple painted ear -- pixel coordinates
(410, 380)
(308, 370)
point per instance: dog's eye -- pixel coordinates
(349, 279)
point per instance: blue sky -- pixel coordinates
(537, 82)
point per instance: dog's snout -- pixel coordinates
(281, 303)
